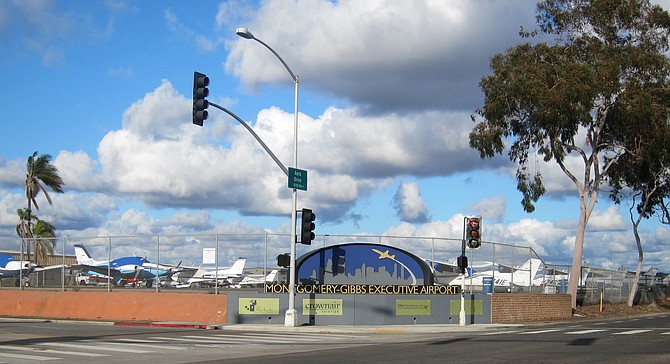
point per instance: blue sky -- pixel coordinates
(386, 93)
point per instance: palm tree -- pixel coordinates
(24, 227)
(40, 174)
(44, 240)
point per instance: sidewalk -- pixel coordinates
(380, 329)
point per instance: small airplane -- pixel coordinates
(257, 281)
(125, 269)
(520, 276)
(10, 267)
(221, 277)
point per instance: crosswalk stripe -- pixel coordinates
(298, 334)
(539, 332)
(499, 332)
(273, 338)
(665, 333)
(582, 332)
(198, 340)
(27, 357)
(50, 351)
(259, 340)
(147, 345)
(631, 332)
(100, 347)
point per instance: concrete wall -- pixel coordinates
(525, 307)
(359, 309)
(115, 306)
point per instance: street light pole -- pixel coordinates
(290, 319)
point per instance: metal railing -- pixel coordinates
(492, 259)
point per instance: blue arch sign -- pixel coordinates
(363, 263)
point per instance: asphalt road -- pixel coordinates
(644, 339)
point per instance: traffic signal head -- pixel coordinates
(284, 260)
(200, 93)
(307, 227)
(473, 232)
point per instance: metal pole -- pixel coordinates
(157, 281)
(290, 318)
(461, 316)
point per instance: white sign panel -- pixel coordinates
(208, 255)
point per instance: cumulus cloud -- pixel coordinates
(383, 55)
(409, 204)
(491, 208)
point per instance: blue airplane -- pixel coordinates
(10, 267)
(125, 269)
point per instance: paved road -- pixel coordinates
(632, 340)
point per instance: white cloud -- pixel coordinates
(383, 55)
(606, 220)
(491, 208)
(409, 205)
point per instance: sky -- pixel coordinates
(386, 91)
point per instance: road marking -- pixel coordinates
(27, 357)
(101, 348)
(50, 351)
(665, 333)
(582, 332)
(198, 340)
(538, 332)
(499, 332)
(280, 337)
(631, 332)
(146, 345)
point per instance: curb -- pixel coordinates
(168, 324)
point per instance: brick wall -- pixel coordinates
(524, 307)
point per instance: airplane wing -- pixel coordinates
(445, 267)
(49, 267)
(99, 269)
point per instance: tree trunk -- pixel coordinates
(577, 254)
(638, 271)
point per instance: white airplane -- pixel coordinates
(225, 276)
(10, 267)
(257, 280)
(521, 276)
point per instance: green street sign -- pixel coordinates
(297, 178)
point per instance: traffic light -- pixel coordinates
(462, 262)
(284, 260)
(200, 93)
(307, 227)
(473, 232)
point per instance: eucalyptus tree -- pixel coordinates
(41, 173)
(554, 98)
(642, 175)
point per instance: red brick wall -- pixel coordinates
(524, 307)
(115, 306)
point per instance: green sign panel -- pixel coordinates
(297, 178)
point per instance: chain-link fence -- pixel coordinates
(495, 267)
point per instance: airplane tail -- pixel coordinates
(272, 276)
(83, 256)
(238, 267)
(524, 274)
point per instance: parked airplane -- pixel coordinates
(225, 276)
(124, 269)
(257, 280)
(521, 276)
(10, 267)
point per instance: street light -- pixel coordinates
(290, 318)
